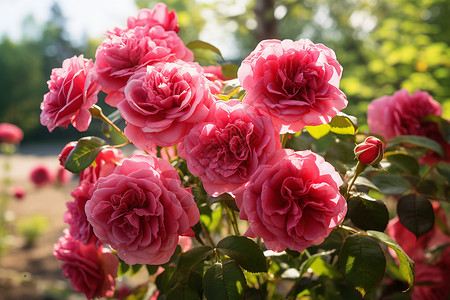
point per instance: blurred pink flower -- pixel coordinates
(41, 175)
(92, 270)
(72, 91)
(405, 114)
(295, 83)
(63, 176)
(293, 203)
(431, 277)
(10, 133)
(18, 192)
(141, 210)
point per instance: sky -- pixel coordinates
(84, 17)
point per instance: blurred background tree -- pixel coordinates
(382, 45)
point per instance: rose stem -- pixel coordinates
(360, 167)
(97, 113)
(232, 218)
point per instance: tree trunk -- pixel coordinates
(267, 24)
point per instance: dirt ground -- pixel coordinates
(33, 272)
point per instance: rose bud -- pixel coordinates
(370, 152)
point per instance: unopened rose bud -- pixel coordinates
(370, 152)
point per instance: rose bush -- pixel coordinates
(73, 90)
(227, 148)
(293, 203)
(269, 153)
(296, 83)
(141, 210)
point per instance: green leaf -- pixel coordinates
(245, 251)
(406, 264)
(84, 153)
(164, 280)
(203, 45)
(368, 213)
(319, 266)
(362, 262)
(419, 141)
(229, 70)
(444, 169)
(416, 213)
(404, 163)
(224, 282)
(190, 259)
(318, 131)
(391, 184)
(363, 181)
(344, 124)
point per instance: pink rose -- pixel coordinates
(141, 210)
(75, 216)
(295, 83)
(226, 149)
(72, 91)
(92, 270)
(105, 163)
(126, 51)
(370, 152)
(293, 203)
(159, 15)
(41, 175)
(404, 114)
(163, 102)
(10, 133)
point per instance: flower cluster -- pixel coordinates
(197, 144)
